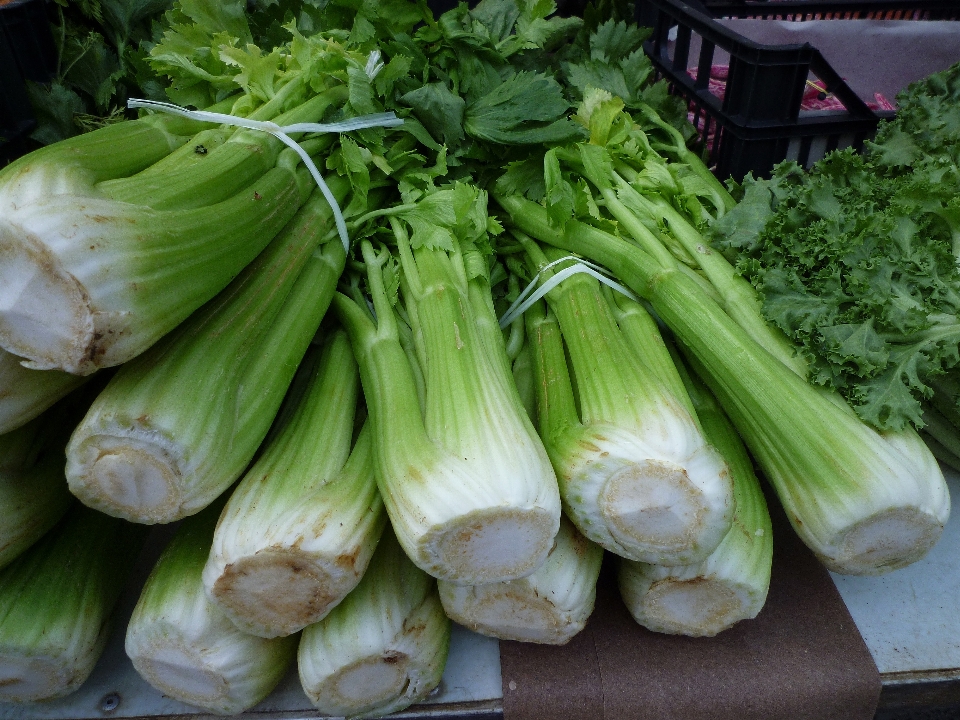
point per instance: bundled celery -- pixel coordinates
(550, 606)
(384, 647)
(55, 604)
(730, 585)
(864, 502)
(178, 425)
(307, 516)
(112, 239)
(636, 474)
(465, 479)
(33, 489)
(184, 646)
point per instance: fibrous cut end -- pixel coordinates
(490, 545)
(365, 685)
(181, 673)
(510, 612)
(653, 505)
(31, 679)
(247, 590)
(45, 313)
(698, 607)
(886, 541)
(130, 478)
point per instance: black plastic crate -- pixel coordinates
(759, 122)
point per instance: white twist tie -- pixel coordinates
(523, 302)
(387, 119)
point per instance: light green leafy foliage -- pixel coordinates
(857, 259)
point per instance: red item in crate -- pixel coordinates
(815, 97)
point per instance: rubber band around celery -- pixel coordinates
(522, 303)
(387, 119)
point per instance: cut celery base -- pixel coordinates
(697, 607)
(33, 678)
(509, 612)
(654, 504)
(131, 478)
(369, 682)
(889, 540)
(179, 671)
(45, 314)
(489, 545)
(246, 591)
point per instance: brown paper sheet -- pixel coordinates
(802, 658)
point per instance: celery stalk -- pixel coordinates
(55, 604)
(307, 516)
(466, 482)
(730, 585)
(178, 425)
(636, 474)
(33, 489)
(864, 503)
(25, 393)
(384, 647)
(184, 646)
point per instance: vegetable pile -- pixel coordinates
(856, 261)
(341, 393)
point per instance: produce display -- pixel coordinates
(434, 367)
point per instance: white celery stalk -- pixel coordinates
(549, 606)
(384, 647)
(865, 503)
(730, 585)
(56, 600)
(25, 393)
(179, 424)
(183, 645)
(99, 264)
(33, 489)
(466, 481)
(307, 516)
(636, 474)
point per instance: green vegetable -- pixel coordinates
(549, 606)
(856, 260)
(184, 646)
(383, 648)
(25, 393)
(33, 489)
(307, 516)
(178, 425)
(55, 604)
(705, 598)
(636, 474)
(865, 503)
(465, 479)
(100, 264)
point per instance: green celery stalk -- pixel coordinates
(25, 393)
(864, 503)
(731, 584)
(185, 647)
(307, 515)
(179, 424)
(33, 489)
(384, 647)
(636, 474)
(56, 600)
(466, 482)
(91, 283)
